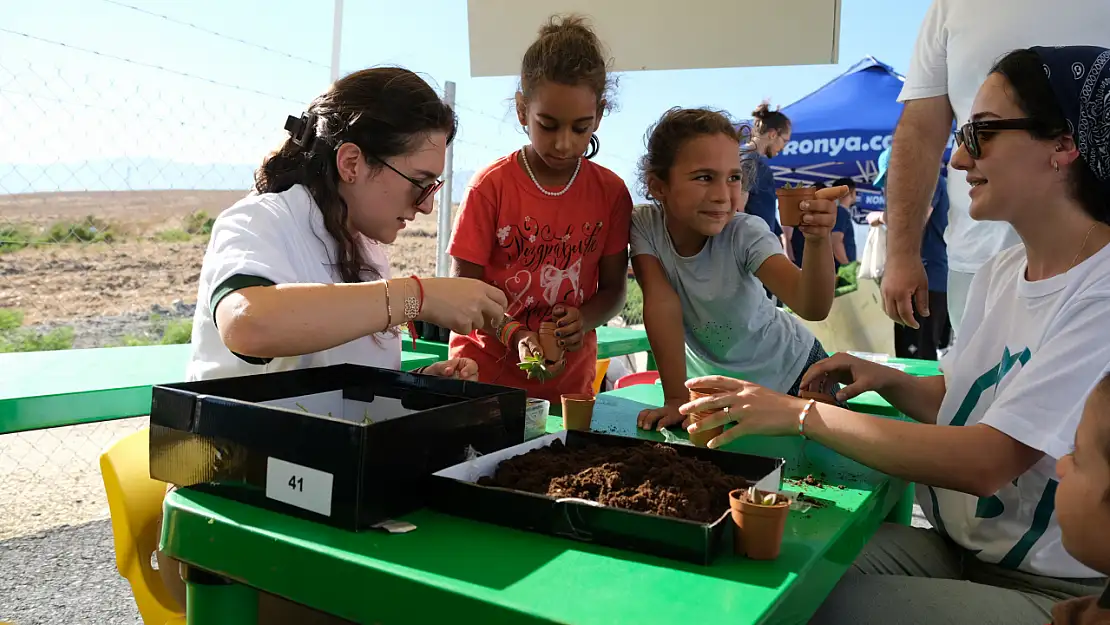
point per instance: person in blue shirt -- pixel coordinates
(770, 134)
(935, 331)
(843, 236)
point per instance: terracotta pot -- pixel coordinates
(824, 398)
(790, 211)
(758, 529)
(552, 352)
(578, 411)
(701, 439)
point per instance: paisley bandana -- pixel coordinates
(1080, 78)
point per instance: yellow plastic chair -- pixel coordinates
(135, 503)
(602, 369)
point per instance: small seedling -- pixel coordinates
(534, 367)
(299, 405)
(766, 500)
(366, 420)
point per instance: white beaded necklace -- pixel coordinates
(528, 168)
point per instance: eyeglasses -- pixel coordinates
(426, 190)
(972, 134)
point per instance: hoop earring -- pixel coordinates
(595, 145)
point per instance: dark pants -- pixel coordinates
(935, 331)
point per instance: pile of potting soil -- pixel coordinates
(650, 478)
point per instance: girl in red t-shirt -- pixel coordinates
(547, 225)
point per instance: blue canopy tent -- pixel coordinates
(840, 129)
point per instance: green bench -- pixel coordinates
(611, 342)
(50, 389)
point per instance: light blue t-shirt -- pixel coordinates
(731, 326)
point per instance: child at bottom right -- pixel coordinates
(1083, 506)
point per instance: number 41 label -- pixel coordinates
(299, 486)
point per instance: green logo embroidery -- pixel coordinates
(987, 381)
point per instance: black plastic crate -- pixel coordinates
(270, 441)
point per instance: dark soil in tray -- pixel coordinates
(650, 478)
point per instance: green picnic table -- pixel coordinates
(611, 342)
(452, 569)
(50, 389)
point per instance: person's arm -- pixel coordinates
(808, 291)
(836, 239)
(918, 146)
(663, 322)
(916, 397)
(786, 238)
(612, 284)
(295, 319)
(977, 459)
(915, 158)
(612, 271)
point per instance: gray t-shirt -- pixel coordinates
(731, 326)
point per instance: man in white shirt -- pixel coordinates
(958, 42)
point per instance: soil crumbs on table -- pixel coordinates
(649, 478)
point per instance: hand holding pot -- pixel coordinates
(858, 375)
(461, 304)
(819, 214)
(568, 327)
(753, 408)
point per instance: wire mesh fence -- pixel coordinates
(109, 183)
(52, 477)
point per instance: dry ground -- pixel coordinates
(58, 282)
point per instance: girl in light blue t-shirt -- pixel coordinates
(703, 265)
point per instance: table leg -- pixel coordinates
(214, 600)
(902, 512)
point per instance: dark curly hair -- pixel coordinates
(385, 111)
(567, 52)
(677, 126)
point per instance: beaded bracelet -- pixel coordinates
(388, 307)
(506, 332)
(802, 417)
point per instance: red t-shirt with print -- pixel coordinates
(540, 250)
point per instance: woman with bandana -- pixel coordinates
(986, 435)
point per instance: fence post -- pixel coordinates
(336, 39)
(443, 232)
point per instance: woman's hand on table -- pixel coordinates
(855, 374)
(753, 408)
(458, 368)
(659, 418)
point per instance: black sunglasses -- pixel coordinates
(426, 190)
(971, 134)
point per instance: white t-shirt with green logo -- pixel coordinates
(1027, 356)
(276, 238)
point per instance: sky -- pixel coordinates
(141, 94)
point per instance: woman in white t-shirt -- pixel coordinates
(1034, 342)
(296, 274)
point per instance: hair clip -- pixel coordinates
(302, 130)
